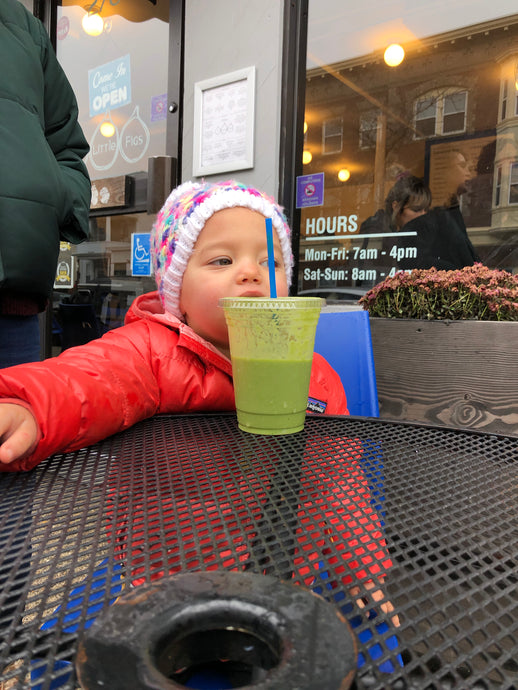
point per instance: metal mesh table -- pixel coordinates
(348, 500)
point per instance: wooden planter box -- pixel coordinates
(455, 373)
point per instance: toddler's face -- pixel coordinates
(230, 259)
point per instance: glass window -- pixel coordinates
(120, 78)
(444, 115)
(426, 116)
(454, 115)
(115, 54)
(513, 184)
(332, 136)
(503, 109)
(368, 130)
(498, 185)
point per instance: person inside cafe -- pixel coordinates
(407, 199)
(440, 238)
(172, 354)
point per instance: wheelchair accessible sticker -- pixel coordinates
(140, 254)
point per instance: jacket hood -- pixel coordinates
(148, 307)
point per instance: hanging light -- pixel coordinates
(344, 174)
(394, 55)
(107, 126)
(307, 157)
(92, 23)
(107, 129)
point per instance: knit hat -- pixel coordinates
(182, 218)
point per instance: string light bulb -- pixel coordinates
(307, 157)
(107, 129)
(394, 55)
(92, 23)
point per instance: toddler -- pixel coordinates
(172, 354)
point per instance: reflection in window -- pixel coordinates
(454, 119)
(413, 119)
(426, 116)
(505, 90)
(368, 130)
(498, 185)
(332, 135)
(120, 80)
(444, 113)
(513, 184)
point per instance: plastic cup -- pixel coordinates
(271, 347)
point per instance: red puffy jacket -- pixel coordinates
(153, 364)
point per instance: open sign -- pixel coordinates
(109, 86)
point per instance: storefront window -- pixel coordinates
(120, 78)
(446, 114)
(115, 54)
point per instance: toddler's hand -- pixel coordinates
(18, 432)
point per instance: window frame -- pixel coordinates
(513, 165)
(325, 138)
(439, 96)
(498, 186)
(504, 99)
(363, 130)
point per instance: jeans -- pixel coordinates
(19, 340)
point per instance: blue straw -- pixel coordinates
(271, 257)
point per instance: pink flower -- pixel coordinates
(474, 292)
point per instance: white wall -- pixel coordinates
(222, 36)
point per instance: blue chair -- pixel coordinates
(71, 617)
(344, 339)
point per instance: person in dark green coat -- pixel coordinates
(44, 184)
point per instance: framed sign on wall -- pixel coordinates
(224, 123)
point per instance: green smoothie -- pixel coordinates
(271, 347)
(279, 387)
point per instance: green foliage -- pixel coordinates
(474, 292)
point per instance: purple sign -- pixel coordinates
(310, 190)
(159, 107)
